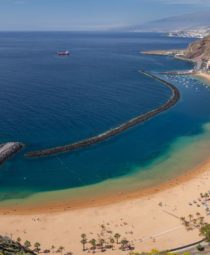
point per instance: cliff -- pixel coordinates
(199, 50)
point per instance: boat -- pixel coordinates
(63, 53)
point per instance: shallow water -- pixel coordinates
(47, 101)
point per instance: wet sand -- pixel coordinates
(204, 76)
(150, 221)
(149, 217)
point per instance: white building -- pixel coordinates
(208, 65)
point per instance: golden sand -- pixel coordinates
(204, 76)
(140, 219)
(148, 217)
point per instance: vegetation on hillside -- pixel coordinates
(19, 247)
(199, 50)
(10, 247)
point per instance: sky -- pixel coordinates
(89, 14)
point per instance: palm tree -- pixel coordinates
(182, 219)
(190, 216)
(124, 244)
(201, 219)
(37, 246)
(83, 241)
(27, 244)
(83, 236)
(117, 236)
(53, 248)
(18, 239)
(101, 243)
(189, 228)
(111, 240)
(194, 221)
(93, 243)
(61, 249)
(103, 227)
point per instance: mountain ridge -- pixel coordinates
(174, 23)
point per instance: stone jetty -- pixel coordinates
(175, 96)
(187, 72)
(9, 149)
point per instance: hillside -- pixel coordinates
(199, 50)
(176, 23)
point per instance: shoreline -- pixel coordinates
(149, 217)
(175, 53)
(153, 218)
(143, 181)
(106, 199)
(203, 76)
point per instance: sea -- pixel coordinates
(47, 101)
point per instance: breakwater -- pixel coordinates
(175, 96)
(188, 72)
(9, 149)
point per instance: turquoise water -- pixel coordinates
(47, 101)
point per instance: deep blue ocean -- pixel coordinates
(46, 100)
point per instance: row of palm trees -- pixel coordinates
(193, 222)
(37, 247)
(103, 244)
(204, 195)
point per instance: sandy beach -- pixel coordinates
(73, 82)
(148, 218)
(151, 221)
(204, 76)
